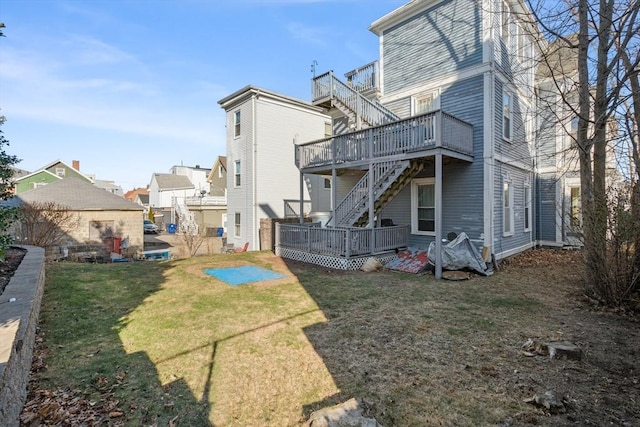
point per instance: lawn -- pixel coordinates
(162, 343)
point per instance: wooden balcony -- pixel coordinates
(411, 138)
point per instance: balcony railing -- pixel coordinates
(365, 78)
(206, 201)
(342, 242)
(419, 133)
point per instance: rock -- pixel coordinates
(346, 414)
(372, 264)
(555, 350)
(564, 350)
(534, 347)
(550, 400)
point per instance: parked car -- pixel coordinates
(150, 227)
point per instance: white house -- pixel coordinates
(262, 180)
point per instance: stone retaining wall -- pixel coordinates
(18, 321)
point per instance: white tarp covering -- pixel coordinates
(459, 254)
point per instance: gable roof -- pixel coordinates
(78, 195)
(88, 178)
(169, 181)
(39, 171)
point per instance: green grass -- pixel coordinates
(195, 351)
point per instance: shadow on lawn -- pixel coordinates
(80, 322)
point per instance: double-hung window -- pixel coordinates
(236, 224)
(507, 115)
(527, 207)
(507, 207)
(424, 103)
(236, 124)
(423, 206)
(237, 176)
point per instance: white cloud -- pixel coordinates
(306, 33)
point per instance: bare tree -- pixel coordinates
(45, 224)
(604, 37)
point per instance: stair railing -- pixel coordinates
(372, 112)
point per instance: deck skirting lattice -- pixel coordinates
(338, 263)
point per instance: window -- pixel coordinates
(236, 224)
(236, 124)
(423, 206)
(327, 184)
(60, 172)
(328, 131)
(575, 219)
(236, 174)
(507, 208)
(219, 171)
(506, 115)
(39, 184)
(527, 207)
(426, 102)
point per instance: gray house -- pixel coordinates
(437, 138)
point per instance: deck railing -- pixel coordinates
(365, 78)
(342, 242)
(206, 201)
(427, 131)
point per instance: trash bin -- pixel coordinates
(220, 231)
(171, 228)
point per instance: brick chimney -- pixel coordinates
(76, 164)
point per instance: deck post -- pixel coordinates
(438, 242)
(301, 198)
(347, 243)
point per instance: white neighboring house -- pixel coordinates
(198, 177)
(167, 189)
(262, 178)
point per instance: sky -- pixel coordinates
(131, 87)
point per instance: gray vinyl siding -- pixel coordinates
(442, 39)
(401, 107)
(517, 148)
(546, 123)
(518, 178)
(462, 183)
(546, 209)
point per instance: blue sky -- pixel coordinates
(130, 87)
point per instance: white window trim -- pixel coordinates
(237, 226)
(414, 205)
(435, 93)
(506, 92)
(61, 172)
(506, 233)
(527, 206)
(237, 127)
(237, 172)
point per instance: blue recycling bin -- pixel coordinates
(171, 228)
(220, 231)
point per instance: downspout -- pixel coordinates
(254, 166)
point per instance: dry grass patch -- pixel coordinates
(420, 352)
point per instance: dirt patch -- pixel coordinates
(12, 259)
(462, 352)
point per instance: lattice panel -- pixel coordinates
(328, 261)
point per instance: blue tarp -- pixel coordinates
(239, 275)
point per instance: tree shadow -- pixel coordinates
(81, 319)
